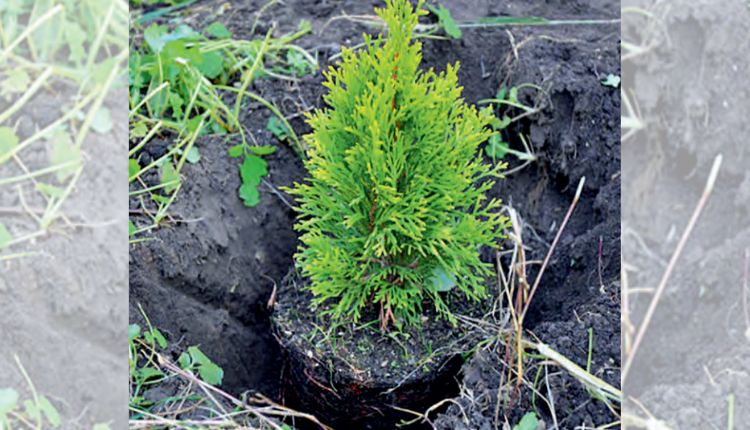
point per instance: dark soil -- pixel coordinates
(696, 353)
(574, 407)
(354, 374)
(62, 309)
(209, 276)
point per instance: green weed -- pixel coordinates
(182, 82)
(145, 369)
(194, 378)
(528, 422)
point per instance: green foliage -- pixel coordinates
(507, 99)
(177, 59)
(496, 148)
(194, 358)
(146, 372)
(252, 170)
(277, 128)
(528, 422)
(298, 64)
(180, 80)
(611, 81)
(8, 140)
(446, 21)
(394, 208)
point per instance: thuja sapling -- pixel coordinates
(394, 208)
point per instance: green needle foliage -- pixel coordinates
(394, 209)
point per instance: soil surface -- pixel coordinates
(696, 355)
(352, 373)
(62, 309)
(209, 276)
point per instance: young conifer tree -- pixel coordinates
(394, 210)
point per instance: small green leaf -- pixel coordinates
(133, 167)
(160, 339)
(211, 64)
(131, 228)
(8, 140)
(263, 150)
(157, 36)
(50, 190)
(154, 37)
(193, 156)
(193, 124)
(5, 237)
(501, 93)
(500, 124)
(528, 422)
(102, 70)
(304, 26)
(277, 127)
(197, 355)
(211, 373)
(236, 151)
(75, 37)
(496, 148)
(176, 102)
(8, 401)
(160, 199)
(169, 177)
(252, 169)
(184, 361)
(513, 95)
(611, 81)
(139, 130)
(442, 281)
(218, 30)
(16, 81)
(207, 369)
(249, 195)
(134, 330)
(298, 63)
(64, 152)
(147, 373)
(446, 20)
(49, 411)
(31, 409)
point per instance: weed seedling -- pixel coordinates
(394, 208)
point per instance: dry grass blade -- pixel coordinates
(590, 381)
(547, 258)
(262, 413)
(672, 263)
